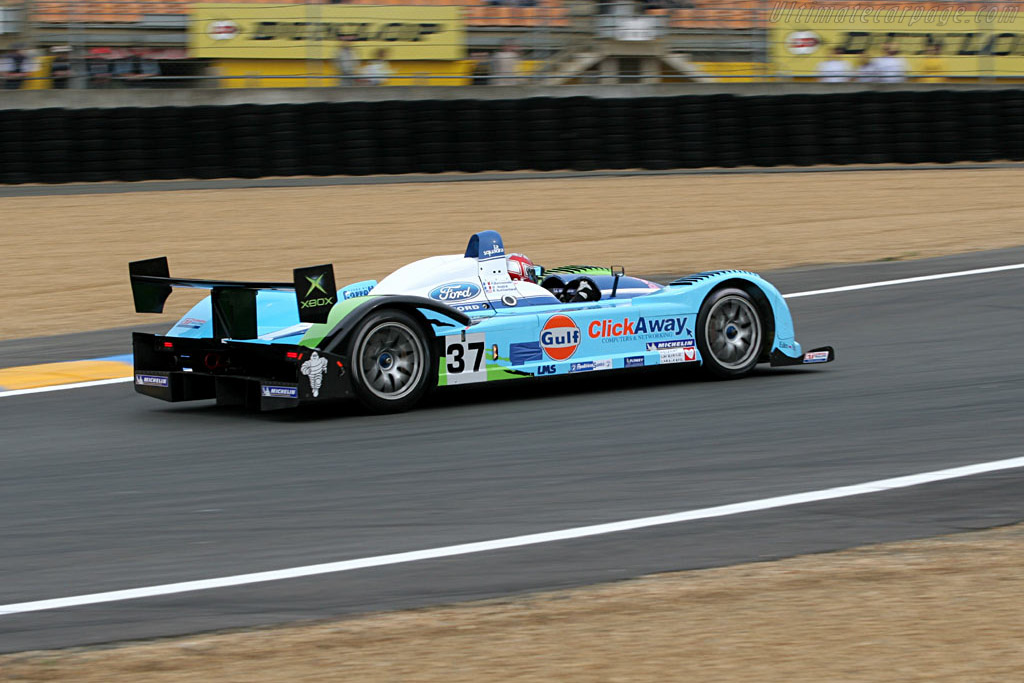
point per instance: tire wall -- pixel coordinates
(539, 133)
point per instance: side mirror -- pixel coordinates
(536, 272)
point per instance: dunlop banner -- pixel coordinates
(228, 31)
(966, 42)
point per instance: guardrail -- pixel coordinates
(52, 145)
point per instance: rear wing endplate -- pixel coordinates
(234, 302)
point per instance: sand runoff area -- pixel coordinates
(946, 609)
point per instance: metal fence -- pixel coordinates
(175, 43)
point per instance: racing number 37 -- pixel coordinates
(464, 358)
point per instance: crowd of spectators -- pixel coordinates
(16, 66)
(889, 67)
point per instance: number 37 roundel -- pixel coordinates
(464, 358)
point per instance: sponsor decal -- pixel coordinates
(803, 42)
(224, 29)
(492, 251)
(469, 308)
(454, 292)
(669, 344)
(786, 345)
(315, 368)
(151, 380)
(678, 355)
(316, 284)
(591, 365)
(816, 357)
(270, 391)
(559, 338)
(642, 327)
(494, 352)
(353, 293)
(546, 369)
(191, 323)
(521, 353)
(634, 361)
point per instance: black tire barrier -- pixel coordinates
(537, 133)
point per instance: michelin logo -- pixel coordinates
(670, 344)
(151, 380)
(315, 368)
(269, 391)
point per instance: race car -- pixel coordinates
(480, 316)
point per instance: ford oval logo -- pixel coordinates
(454, 291)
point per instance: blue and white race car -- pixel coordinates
(480, 316)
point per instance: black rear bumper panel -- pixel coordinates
(258, 376)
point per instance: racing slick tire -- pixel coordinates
(730, 333)
(392, 361)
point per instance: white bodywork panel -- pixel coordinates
(467, 284)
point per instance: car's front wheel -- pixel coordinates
(392, 362)
(730, 333)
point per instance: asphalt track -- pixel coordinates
(105, 490)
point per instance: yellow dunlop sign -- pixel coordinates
(986, 42)
(227, 31)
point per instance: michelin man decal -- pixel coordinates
(315, 368)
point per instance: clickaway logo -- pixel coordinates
(610, 329)
(559, 337)
(454, 291)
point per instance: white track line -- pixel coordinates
(904, 281)
(516, 541)
(62, 387)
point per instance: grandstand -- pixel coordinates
(697, 14)
(736, 39)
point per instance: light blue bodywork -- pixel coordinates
(517, 332)
(644, 325)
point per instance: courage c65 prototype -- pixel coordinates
(480, 316)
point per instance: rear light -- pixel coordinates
(168, 345)
(293, 355)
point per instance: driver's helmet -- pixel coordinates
(520, 267)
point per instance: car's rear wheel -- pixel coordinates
(730, 333)
(392, 362)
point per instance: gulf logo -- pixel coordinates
(559, 337)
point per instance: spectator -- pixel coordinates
(134, 71)
(933, 69)
(505, 65)
(345, 62)
(866, 69)
(835, 69)
(99, 71)
(60, 66)
(377, 71)
(481, 68)
(890, 67)
(16, 66)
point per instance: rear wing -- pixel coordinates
(234, 302)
